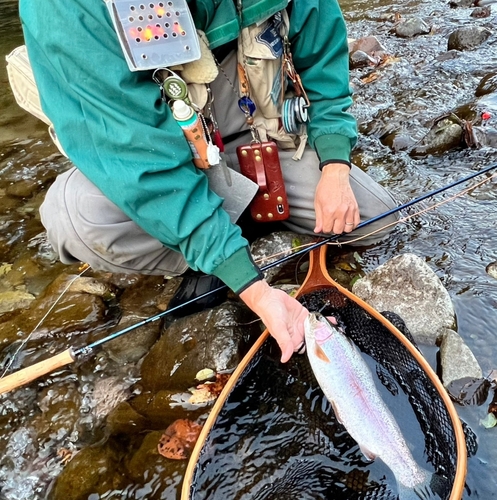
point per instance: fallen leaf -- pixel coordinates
(179, 439)
(216, 387)
(205, 374)
(201, 396)
(370, 78)
(489, 421)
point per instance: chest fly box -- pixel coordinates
(154, 34)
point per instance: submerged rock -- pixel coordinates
(407, 286)
(444, 135)
(94, 471)
(274, 246)
(15, 300)
(133, 345)
(209, 339)
(161, 475)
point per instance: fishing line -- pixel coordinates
(51, 308)
(394, 223)
(416, 214)
(88, 349)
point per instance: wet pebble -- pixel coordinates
(467, 38)
(481, 12)
(411, 27)
(492, 270)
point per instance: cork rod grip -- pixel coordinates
(31, 373)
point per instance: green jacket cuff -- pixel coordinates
(332, 147)
(239, 271)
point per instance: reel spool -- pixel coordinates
(294, 115)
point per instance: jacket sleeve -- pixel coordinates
(117, 131)
(319, 48)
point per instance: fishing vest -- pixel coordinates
(260, 76)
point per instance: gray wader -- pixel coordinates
(84, 226)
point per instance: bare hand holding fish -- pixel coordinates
(283, 315)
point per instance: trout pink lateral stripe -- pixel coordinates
(347, 382)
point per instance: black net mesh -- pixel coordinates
(277, 436)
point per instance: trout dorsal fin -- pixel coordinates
(321, 354)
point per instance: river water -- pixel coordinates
(458, 239)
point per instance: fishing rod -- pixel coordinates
(70, 355)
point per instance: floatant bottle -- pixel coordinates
(191, 125)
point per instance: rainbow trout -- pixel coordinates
(347, 382)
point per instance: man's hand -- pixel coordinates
(283, 315)
(335, 204)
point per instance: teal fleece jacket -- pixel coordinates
(114, 127)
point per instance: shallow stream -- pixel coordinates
(402, 99)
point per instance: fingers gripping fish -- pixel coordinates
(347, 382)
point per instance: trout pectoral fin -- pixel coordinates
(368, 454)
(321, 354)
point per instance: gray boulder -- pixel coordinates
(456, 359)
(407, 286)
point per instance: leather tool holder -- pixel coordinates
(259, 161)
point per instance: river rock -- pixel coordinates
(360, 59)
(456, 358)
(481, 12)
(208, 339)
(163, 476)
(467, 38)
(23, 188)
(94, 471)
(124, 419)
(15, 300)
(60, 407)
(485, 136)
(132, 346)
(164, 407)
(444, 135)
(108, 393)
(93, 286)
(368, 44)
(461, 3)
(170, 288)
(492, 270)
(138, 303)
(274, 246)
(407, 286)
(412, 27)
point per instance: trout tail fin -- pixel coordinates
(432, 487)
